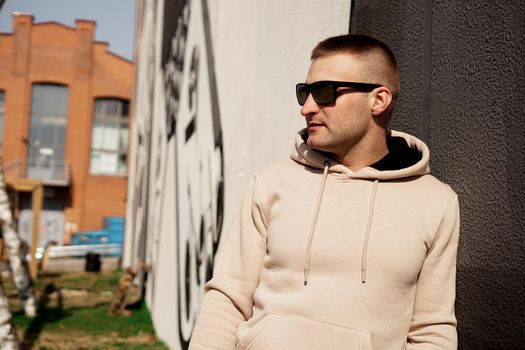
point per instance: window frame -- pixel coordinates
(101, 118)
(38, 165)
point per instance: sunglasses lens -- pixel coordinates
(302, 91)
(323, 93)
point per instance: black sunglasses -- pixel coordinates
(325, 91)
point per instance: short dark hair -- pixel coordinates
(361, 45)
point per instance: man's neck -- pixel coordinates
(366, 152)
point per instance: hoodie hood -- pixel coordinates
(304, 154)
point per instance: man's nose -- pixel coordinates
(310, 107)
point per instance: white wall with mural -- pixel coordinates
(214, 101)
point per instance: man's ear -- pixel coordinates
(382, 99)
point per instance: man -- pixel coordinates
(352, 243)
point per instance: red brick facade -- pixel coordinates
(54, 53)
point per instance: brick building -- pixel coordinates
(64, 116)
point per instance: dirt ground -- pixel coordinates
(68, 341)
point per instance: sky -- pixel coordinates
(115, 18)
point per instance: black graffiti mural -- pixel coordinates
(174, 61)
(193, 122)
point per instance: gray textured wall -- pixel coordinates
(462, 87)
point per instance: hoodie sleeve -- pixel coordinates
(433, 324)
(228, 299)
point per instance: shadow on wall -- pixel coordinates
(485, 307)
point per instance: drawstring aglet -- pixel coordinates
(306, 277)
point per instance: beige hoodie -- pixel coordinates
(321, 257)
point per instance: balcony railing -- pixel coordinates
(50, 173)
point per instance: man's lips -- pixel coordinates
(315, 125)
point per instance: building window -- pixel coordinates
(47, 131)
(2, 109)
(109, 140)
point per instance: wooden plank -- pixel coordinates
(38, 195)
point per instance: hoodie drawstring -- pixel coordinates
(314, 221)
(367, 233)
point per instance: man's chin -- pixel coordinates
(320, 147)
(315, 144)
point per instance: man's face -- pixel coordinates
(338, 127)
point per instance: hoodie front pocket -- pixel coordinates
(288, 332)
